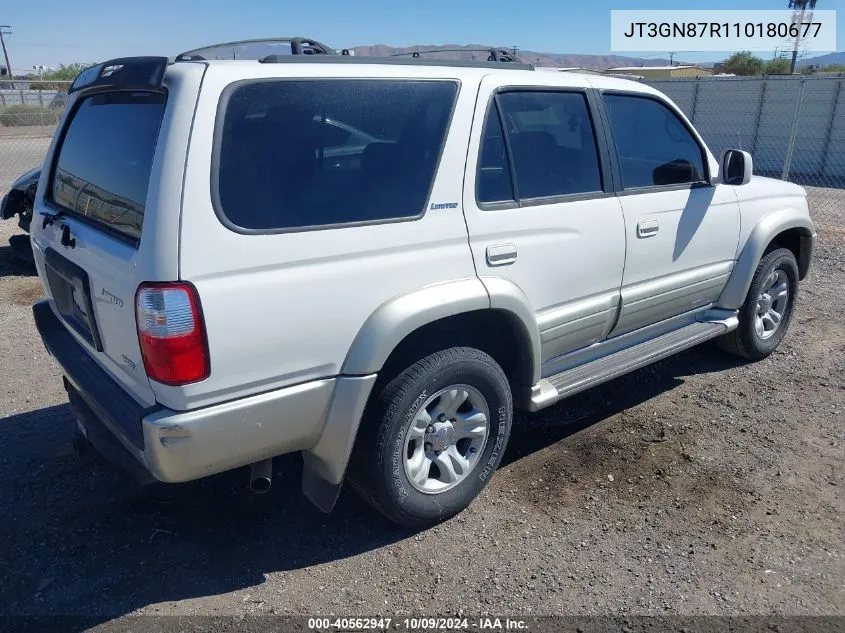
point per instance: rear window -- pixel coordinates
(104, 163)
(297, 154)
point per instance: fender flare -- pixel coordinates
(397, 318)
(326, 461)
(510, 298)
(733, 295)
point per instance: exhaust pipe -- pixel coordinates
(261, 476)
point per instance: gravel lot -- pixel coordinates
(700, 485)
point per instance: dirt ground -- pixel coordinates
(699, 485)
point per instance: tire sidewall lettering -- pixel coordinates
(501, 433)
(399, 447)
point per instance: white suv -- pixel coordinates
(373, 261)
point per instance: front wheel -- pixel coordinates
(767, 311)
(433, 437)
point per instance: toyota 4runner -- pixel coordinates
(374, 261)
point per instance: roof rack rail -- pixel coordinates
(393, 61)
(493, 54)
(298, 46)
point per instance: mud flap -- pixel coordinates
(319, 491)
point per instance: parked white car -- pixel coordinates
(234, 274)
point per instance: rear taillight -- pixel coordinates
(171, 332)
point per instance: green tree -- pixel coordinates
(65, 73)
(743, 63)
(776, 67)
(53, 79)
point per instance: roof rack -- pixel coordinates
(392, 61)
(305, 49)
(493, 54)
(229, 50)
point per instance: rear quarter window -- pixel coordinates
(102, 171)
(292, 155)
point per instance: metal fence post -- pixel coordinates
(787, 161)
(829, 130)
(759, 116)
(694, 100)
(2, 98)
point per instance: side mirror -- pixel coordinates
(736, 167)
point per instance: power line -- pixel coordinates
(8, 31)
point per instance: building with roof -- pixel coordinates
(660, 72)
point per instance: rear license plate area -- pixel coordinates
(71, 292)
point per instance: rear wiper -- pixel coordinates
(49, 217)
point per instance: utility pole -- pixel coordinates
(802, 12)
(671, 59)
(797, 46)
(7, 31)
(514, 49)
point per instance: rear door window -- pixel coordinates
(103, 167)
(552, 144)
(494, 171)
(315, 153)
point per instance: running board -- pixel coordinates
(554, 388)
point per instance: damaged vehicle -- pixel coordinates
(19, 201)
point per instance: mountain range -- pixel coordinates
(824, 60)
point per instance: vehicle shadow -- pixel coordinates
(532, 432)
(16, 258)
(80, 538)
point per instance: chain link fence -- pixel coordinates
(793, 126)
(29, 113)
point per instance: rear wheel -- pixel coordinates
(765, 316)
(433, 436)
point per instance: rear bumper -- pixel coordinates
(177, 446)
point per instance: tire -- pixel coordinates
(394, 430)
(746, 341)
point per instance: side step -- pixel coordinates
(554, 388)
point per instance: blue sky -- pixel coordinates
(50, 32)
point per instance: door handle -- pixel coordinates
(647, 228)
(67, 240)
(501, 254)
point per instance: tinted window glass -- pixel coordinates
(654, 146)
(309, 153)
(552, 143)
(103, 169)
(494, 176)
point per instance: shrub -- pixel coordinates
(743, 63)
(777, 67)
